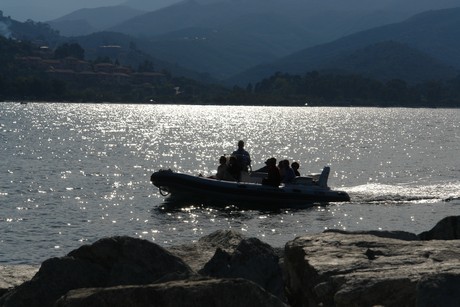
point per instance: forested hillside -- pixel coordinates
(427, 42)
(28, 73)
(112, 67)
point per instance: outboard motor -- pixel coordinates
(322, 181)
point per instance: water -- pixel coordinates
(73, 173)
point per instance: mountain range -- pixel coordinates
(87, 21)
(421, 48)
(243, 41)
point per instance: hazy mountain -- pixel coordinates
(129, 51)
(234, 35)
(392, 60)
(37, 32)
(225, 37)
(183, 15)
(119, 47)
(86, 21)
(430, 37)
(228, 49)
(330, 18)
(150, 5)
(42, 10)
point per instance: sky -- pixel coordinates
(45, 10)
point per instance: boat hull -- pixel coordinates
(201, 190)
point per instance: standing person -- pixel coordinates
(273, 176)
(243, 157)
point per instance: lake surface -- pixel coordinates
(74, 173)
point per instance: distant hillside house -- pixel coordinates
(75, 64)
(108, 68)
(76, 70)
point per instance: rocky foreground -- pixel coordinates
(335, 268)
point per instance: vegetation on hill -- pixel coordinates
(29, 73)
(316, 89)
(110, 67)
(28, 30)
(109, 81)
(428, 39)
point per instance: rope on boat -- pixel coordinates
(163, 191)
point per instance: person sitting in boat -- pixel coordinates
(295, 166)
(243, 157)
(222, 168)
(233, 169)
(223, 171)
(281, 169)
(289, 174)
(273, 176)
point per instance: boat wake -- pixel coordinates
(376, 193)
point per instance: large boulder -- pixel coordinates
(191, 293)
(400, 235)
(253, 260)
(341, 269)
(107, 262)
(446, 229)
(196, 255)
(229, 254)
(439, 290)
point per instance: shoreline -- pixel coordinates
(332, 105)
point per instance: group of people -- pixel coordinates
(283, 173)
(239, 164)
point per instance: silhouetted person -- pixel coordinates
(234, 169)
(289, 174)
(295, 166)
(222, 168)
(273, 176)
(281, 169)
(243, 157)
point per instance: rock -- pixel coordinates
(335, 268)
(196, 255)
(218, 293)
(14, 275)
(252, 260)
(227, 253)
(133, 261)
(446, 229)
(400, 235)
(339, 269)
(438, 290)
(107, 262)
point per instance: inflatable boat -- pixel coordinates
(302, 192)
